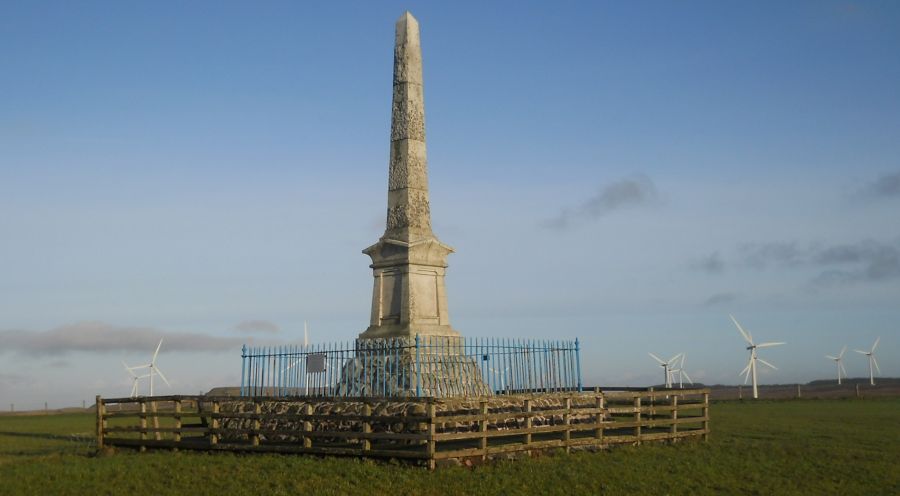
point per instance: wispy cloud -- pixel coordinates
(763, 255)
(720, 299)
(627, 193)
(102, 337)
(886, 186)
(864, 261)
(712, 263)
(257, 326)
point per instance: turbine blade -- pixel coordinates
(876, 344)
(876, 363)
(673, 359)
(843, 369)
(843, 350)
(769, 345)
(128, 369)
(832, 357)
(767, 363)
(747, 370)
(744, 333)
(161, 376)
(686, 376)
(157, 351)
(658, 359)
(863, 352)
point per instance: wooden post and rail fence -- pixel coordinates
(478, 428)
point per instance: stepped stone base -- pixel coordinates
(438, 375)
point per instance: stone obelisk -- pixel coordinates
(409, 262)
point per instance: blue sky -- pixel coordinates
(628, 173)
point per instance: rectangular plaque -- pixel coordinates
(315, 363)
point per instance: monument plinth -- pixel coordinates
(408, 262)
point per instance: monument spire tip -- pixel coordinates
(407, 17)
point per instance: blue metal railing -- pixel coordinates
(421, 366)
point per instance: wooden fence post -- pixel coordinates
(100, 422)
(153, 411)
(256, 423)
(483, 424)
(214, 425)
(673, 429)
(528, 422)
(567, 418)
(637, 418)
(367, 427)
(598, 432)
(706, 415)
(143, 424)
(177, 421)
(307, 426)
(432, 446)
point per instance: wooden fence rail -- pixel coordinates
(430, 430)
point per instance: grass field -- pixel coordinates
(785, 447)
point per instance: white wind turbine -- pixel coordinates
(667, 367)
(872, 361)
(297, 361)
(502, 375)
(750, 370)
(840, 366)
(135, 379)
(682, 374)
(153, 370)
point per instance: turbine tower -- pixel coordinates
(839, 361)
(667, 367)
(750, 370)
(872, 361)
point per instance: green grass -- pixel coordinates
(791, 447)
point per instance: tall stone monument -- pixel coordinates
(409, 262)
(409, 348)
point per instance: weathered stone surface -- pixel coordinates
(513, 405)
(408, 112)
(408, 167)
(445, 375)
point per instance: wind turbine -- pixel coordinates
(135, 379)
(667, 367)
(750, 370)
(502, 375)
(153, 370)
(872, 361)
(682, 374)
(305, 354)
(840, 366)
